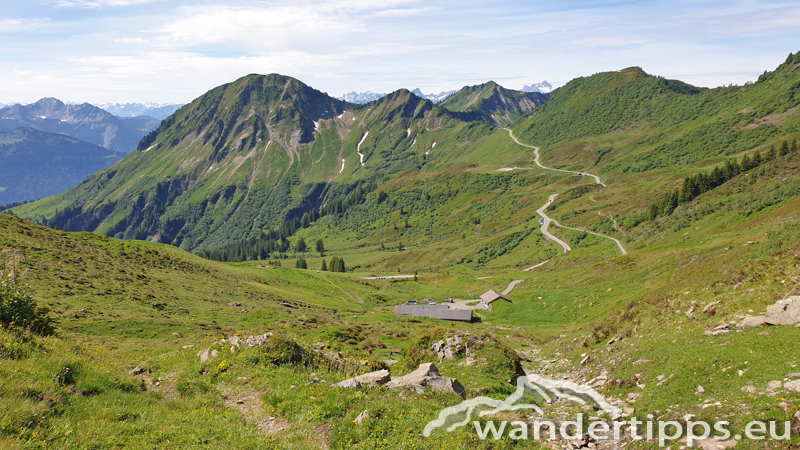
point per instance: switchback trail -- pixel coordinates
(536, 152)
(546, 220)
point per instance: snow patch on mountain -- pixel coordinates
(361, 98)
(435, 98)
(155, 110)
(544, 87)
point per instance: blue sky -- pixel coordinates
(175, 50)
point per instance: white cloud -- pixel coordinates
(21, 25)
(258, 28)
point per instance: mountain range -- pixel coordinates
(265, 151)
(361, 98)
(156, 110)
(38, 164)
(645, 232)
(85, 122)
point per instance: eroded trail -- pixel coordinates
(545, 219)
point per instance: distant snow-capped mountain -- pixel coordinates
(155, 110)
(361, 97)
(366, 97)
(544, 87)
(435, 98)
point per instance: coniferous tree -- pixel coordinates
(757, 159)
(746, 163)
(771, 152)
(300, 247)
(324, 267)
(340, 266)
(794, 145)
(784, 148)
(334, 267)
(321, 248)
(301, 263)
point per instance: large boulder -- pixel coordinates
(377, 378)
(427, 375)
(784, 312)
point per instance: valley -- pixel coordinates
(183, 319)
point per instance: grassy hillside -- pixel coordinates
(253, 155)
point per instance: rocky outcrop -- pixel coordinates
(372, 379)
(452, 346)
(427, 375)
(207, 354)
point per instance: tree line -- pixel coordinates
(703, 182)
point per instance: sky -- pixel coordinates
(172, 51)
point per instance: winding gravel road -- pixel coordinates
(536, 152)
(547, 220)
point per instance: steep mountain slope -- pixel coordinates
(38, 164)
(85, 122)
(252, 155)
(495, 103)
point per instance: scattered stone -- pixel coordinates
(639, 362)
(177, 335)
(138, 370)
(752, 321)
(688, 417)
(628, 410)
(709, 306)
(784, 407)
(773, 385)
(689, 312)
(585, 360)
(714, 444)
(700, 389)
(632, 396)
(784, 312)
(207, 354)
(719, 329)
(240, 402)
(793, 375)
(793, 386)
(320, 346)
(614, 340)
(235, 304)
(362, 417)
(241, 379)
(314, 380)
(750, 389)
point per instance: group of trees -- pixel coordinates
(704, 182)
(337, 265)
